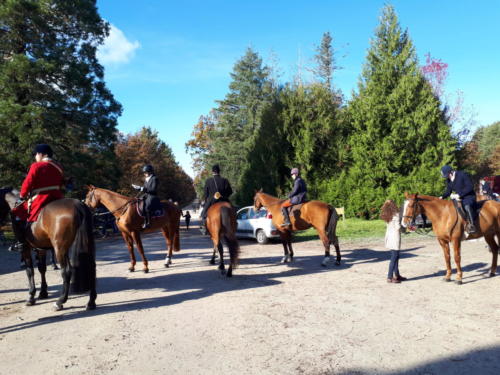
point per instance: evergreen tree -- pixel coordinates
(237, 117)
(400, 136)
(52, 89)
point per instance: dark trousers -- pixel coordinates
(394, 265)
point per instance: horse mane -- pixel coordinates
(115, 193)
(272, 197)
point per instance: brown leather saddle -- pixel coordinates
(295, 209)
(460, 210)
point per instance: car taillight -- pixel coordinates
(269, 216)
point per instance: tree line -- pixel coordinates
(392, 136)
(52, 90)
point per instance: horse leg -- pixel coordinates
(130, 245)
(326, 243)
(490, 240)
(92, 293)
(221, 255)
(289, 242)
(456, 252)
(137, 238)
(168, 258)
(53, 259)
(445, 245)
(337, 250)
(284, 242)
(214, 255)
(42, 268)
(66, 276)
(30, 273)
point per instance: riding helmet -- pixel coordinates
(216, 168)
(43, 149)
(445, 171)
(148, 168)
(295, 171)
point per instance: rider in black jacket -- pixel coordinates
(149, 189)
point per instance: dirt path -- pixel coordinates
(269, 318)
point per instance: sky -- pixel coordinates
(167, 62)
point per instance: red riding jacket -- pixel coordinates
(42, 185)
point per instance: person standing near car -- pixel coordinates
(217, 189)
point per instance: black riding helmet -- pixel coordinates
(148, 168)
(445, 171)
(43, 149)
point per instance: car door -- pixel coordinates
(243, 225)
(253, 222)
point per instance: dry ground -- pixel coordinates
(270, 318)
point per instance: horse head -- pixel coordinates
(91, 199)
(411, 209)
(257, 200)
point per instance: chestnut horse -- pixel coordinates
(317, 214)
(129, 222)
(221, 223)
(448, 226)
(66, 226)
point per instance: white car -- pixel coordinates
(256, 225)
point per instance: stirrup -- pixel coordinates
(17, 247)
(285, 224)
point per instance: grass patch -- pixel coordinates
(349, 229)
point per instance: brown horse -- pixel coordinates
(66, 226)
(130, 222)
(448, 226)
(221, 223)
(317, 214)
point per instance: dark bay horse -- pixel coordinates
(317, 214)
(129, 222)
(448, 226)
(221, 224)
(66, 226)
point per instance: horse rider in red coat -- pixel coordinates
(42, 185)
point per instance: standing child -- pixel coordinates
(390, 214)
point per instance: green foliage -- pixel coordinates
(400, 137)
(52, 89)
(350, 229)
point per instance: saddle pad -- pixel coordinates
(157, 209)
(295, 209)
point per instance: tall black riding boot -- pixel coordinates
(19, 229)
(284, 211)
(203, 226)
(147, 220)
(470, 218)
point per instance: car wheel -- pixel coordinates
(261, 237)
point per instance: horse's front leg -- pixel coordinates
(284, 241)
(130, 246)
(458, 258)
(445, 245)
(42, 268)
(214, 255)
(30, 273)
(137, 238)
(490, 240)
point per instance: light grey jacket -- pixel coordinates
(392, 234)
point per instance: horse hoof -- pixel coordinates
(492, 274)
(57, 307)
(446, 280)
(212, 261)
(30, 302)
(145, 270)
(166, 265)
(458, 282)
(131, 270)
(91, 306)
(43, 295)
(337, 262)
(55, 268)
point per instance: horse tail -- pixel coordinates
(82, 251)
(177, 236)
(228, 222)
(332, 225)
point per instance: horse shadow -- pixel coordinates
(482, 268)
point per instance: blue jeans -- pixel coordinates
(394, 264)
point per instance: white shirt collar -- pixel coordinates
(452, 176)
(148, 178)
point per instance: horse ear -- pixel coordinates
(261, 190)
(406, 194)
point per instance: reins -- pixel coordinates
(122, 207)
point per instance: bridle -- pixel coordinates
(123, 207)
(415, 206)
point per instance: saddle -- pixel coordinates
(475, 210)
(156, 208)
(294, 210)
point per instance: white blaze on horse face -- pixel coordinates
(405, 207)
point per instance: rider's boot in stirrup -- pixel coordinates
(470, 219)
(19, 229)
(147, 220)
(284, 211)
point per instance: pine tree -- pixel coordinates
(400, 135)
(52, 89)
(237, 117)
